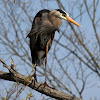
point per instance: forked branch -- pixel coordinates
(27, 81)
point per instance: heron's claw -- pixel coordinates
(35, 78)
(45, 84)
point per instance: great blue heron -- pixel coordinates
(41, 36)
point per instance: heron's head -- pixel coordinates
(64, 15)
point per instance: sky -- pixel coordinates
(92, 91)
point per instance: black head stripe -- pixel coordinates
(39, 14)
(61, 11)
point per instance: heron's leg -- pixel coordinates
(48, 43)
(34, 75)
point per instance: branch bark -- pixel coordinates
(27, 81)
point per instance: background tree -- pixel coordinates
(74, 61)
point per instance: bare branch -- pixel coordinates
(17, 77)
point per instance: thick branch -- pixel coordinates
(28, 81)
(36, 86)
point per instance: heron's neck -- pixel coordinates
(56, 22)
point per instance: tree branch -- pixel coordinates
(28, 81)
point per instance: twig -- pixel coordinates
(17, 77)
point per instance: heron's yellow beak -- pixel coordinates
(72, 21)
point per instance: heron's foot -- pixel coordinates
(45, 84)
(35, 78)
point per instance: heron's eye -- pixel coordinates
(64, 15)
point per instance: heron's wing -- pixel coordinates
(34, 29)
(38, 28)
